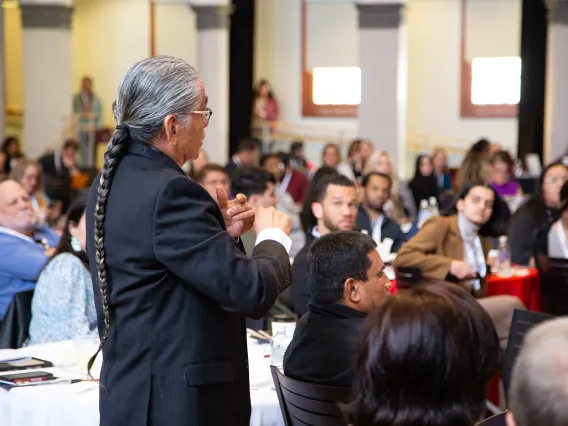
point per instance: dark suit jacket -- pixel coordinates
(324, 346)
(58, 182)
(301, 292)
(179, 288)
(389, 229)
(231, 166)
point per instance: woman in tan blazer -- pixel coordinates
(454, 248)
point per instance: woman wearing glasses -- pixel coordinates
(172, 284)
(541, 210)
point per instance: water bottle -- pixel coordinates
(434, 211)
(423, 213)
(280, 343)
(503, 261)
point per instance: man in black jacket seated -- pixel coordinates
(371, 216)
(335, 209)
(346, 275)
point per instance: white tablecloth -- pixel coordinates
(77, 404)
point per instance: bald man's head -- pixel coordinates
(16, 211)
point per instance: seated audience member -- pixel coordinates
(259, 187)
(359, 151)
(423, 185)
(307, 217)
(440, 162)
(59, 168)
(502, 174)
(244, 157)
(11, 149)
(400, 207)
(371, 216)
(289, 180)
(212, 176)
(536, 214)
(297, 159)
(63, 304)
(347, 280)
(552, 241)
(335, 209)
(425, 359)
(275, 164)
(331, 157)
(3, 160)
(538, 395)
(29, 174)
(24, 247)
(454, 248)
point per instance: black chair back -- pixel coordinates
(522, 322)
(305, 404)
(498, 420)
(14, 328)
(554, 285)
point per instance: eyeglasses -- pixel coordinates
(205, 114)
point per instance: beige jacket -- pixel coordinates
(434, 247)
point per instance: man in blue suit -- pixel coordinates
(24, 247)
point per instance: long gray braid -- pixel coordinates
(150, 90)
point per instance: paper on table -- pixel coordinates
(11, 355)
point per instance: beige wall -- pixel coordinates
(433, 34)
(13, 56)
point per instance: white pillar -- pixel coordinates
(47, 73)
(382, 58)
(213, 65)
(556, 122)
(2, 78)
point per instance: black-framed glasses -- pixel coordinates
(205, 114)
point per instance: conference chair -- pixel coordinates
(522, 322)
(14, 328)
(305, 404)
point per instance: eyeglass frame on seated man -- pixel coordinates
(206, 114)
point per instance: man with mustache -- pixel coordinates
(24, 247)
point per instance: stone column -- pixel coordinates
(213, 65)
(2, 78)
(47, 73)
(556, 109)
(382, 58)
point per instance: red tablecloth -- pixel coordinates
(526, 288)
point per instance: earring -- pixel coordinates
(75, 245)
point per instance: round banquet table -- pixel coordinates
(78, 404)
(524, 284)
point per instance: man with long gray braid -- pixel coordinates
(172, 282)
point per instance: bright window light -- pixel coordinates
(336, 86)
(496, 81)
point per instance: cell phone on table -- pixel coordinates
(27, 377)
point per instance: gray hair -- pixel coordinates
(151, 90)
(539, 386)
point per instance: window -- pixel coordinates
(496, 81)
(336, 86)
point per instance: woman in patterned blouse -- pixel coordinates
(63, 305)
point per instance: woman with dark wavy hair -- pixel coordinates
(425, 359)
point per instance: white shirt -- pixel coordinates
(274, 234)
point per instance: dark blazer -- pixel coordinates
(57, 177)
(180, 288)
(324, 346)
(231, 166)
(389, 228)
(301, 292)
